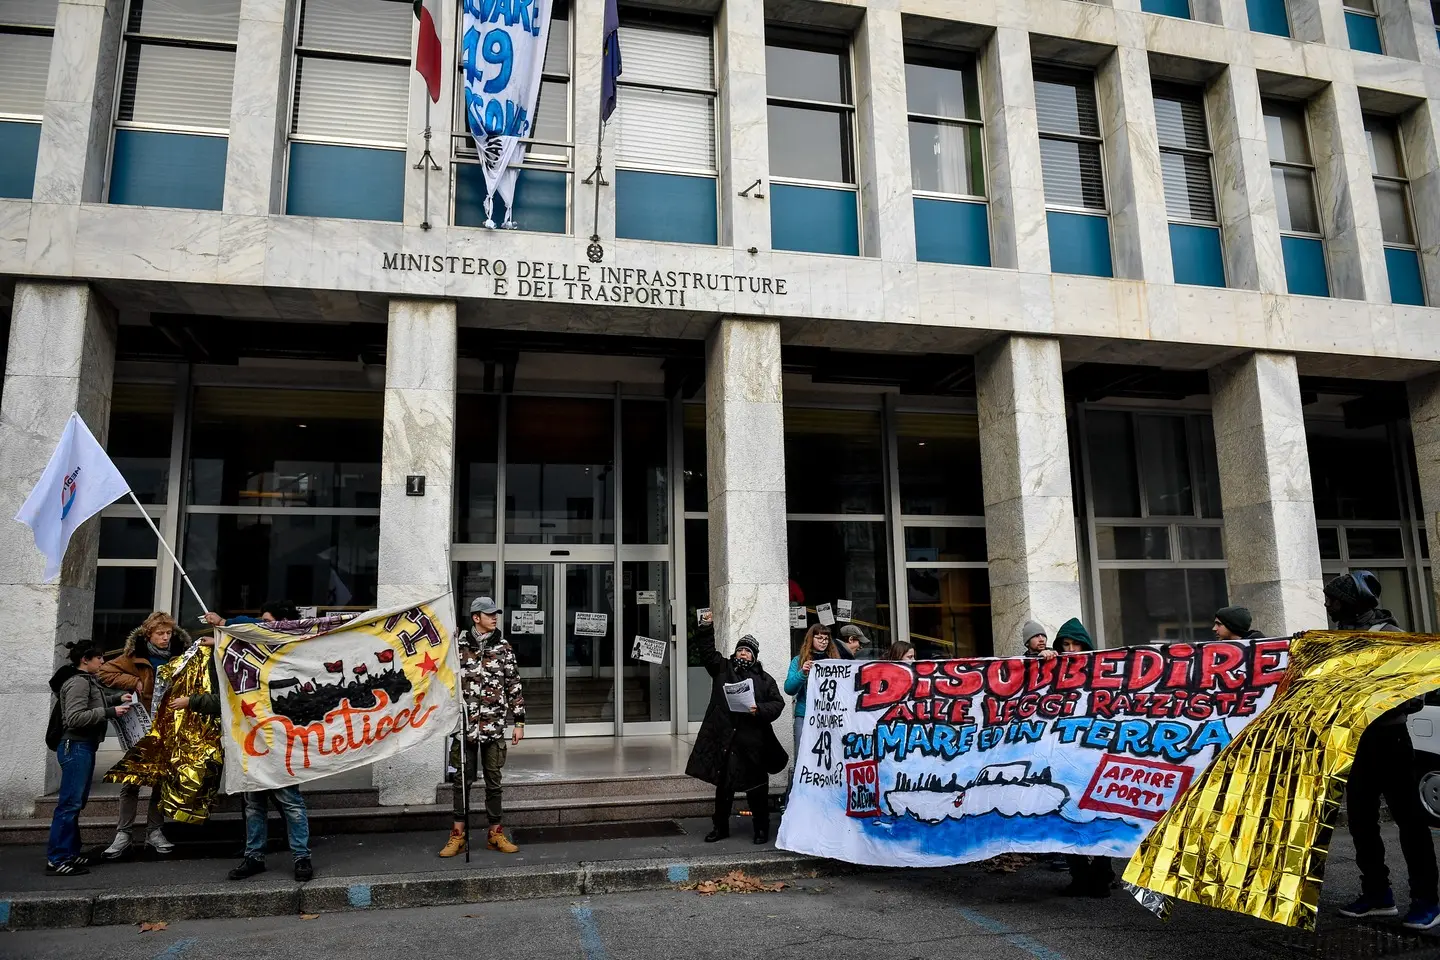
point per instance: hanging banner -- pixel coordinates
(1253, 834)
(502, 55)
(304, 699)
(949, 761)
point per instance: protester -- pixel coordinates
(900, 650)
(817, 645)
(737, 750)
(256, 803)
(1072, 637)
(1036, 641)
(1384, 766)
(133, 671)
(78, 723)
(1233, 623)
(490, 679)
(1089, 876)
(852, 639)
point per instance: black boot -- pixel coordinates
(716, 835)
(762, 833)
(247, 868)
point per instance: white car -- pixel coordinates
(1425, 735)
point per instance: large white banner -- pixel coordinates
(502, 54)
(950, 761)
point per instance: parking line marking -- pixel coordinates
(4, 913)
(175, 949)
(590, 943)
(359, 895)
(678, 873)
(1010, 935)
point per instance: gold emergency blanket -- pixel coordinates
(181, 755)
(1252, 832)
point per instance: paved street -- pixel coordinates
(964, 912)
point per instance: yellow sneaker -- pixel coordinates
(497, 841)
(455, 845)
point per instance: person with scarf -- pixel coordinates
(738, 751)
(1384, 766)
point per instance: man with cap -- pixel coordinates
(1384, 766)
(490, 681)
(738, 750)
(1036, 640)
(1233, 623)
(852, 638)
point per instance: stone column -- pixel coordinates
(61, 359)
(587, 36)
(1420, 133)
(1270, 540)
(886, 200)
(1250, 232)
(416, 531)
(1025, 473)
(1425, 429)
(259, 110)
(745, 464)
(1139, 226)
(744, 141)
(1019, 237)
(1349, 211)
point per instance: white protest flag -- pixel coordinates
(78, 483)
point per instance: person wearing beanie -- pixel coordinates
(1034, 638)
(737, 751)
(1233, 623)
(1089, 876)
(1384, 766)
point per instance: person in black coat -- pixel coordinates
(738, 750)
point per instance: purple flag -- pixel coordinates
(610, 68)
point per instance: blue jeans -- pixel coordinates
(297, 823)
(77, 766)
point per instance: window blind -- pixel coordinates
(28, 13)
(380, 28)
(675, 58)
(657, 129)
(24, 64)
(1189, 192)
(1065, 102)
(351, 100)
(177, 86)
(192, 19)
(1072, 174)
(1180, 122)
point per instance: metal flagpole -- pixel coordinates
(460, 695)
(204, 607)
(427, 163)
(595, 252)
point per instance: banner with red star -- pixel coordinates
(303, 699)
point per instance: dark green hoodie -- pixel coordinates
(1073, 629)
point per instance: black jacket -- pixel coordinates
(86, 708)
(746, 742)
(1380, 620)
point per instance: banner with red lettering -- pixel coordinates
(950, 761)
(302, 699)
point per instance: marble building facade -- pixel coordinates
(81, 277)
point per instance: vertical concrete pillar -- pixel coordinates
(745, 464)
(1349, 211)
(1244, 194)
(61, 359)
(1019, 237)
(1420, 134)
(744, 144)
(1425, 429)
(587, 37)
(886, 202)
(1025, 474)
(415, 532)
(1270, 540)
(259, 109)
(1139, 227)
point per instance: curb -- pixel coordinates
(31, 911)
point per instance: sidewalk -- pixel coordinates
(388, 871)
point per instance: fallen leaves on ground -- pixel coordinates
(733, 882)
(1007, 862)
(309, 916)
(155, 927)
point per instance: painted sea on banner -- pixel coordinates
(951, 761)
(303, 699)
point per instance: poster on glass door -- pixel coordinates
(591, 624)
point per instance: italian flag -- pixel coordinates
(427, 48)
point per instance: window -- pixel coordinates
(1363, 26)
(947, 158)
(1392, 191)
(26, 29)
(1186, 166)
(172, 115)
(1268, 16)
(350, 110)
(542, 193)
(1293, 174)
(813, 197)
(1167, 8)
(1074, 175)
(1157, 541)
(665, 130)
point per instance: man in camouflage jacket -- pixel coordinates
(490, 679)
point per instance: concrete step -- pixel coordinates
(107, 803)
(593, 787)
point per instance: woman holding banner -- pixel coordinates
(818, 645)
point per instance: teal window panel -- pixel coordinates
(1195, 253)
(1167, 8)
(1268, 16)
(1405, 283)
(1079, 243)
(540, 197)
(151, 169)
(1305, 266)
(814, 219)
(351, 183)
(952, 231)
(19, 144)
(1364, 32)
(665, 206)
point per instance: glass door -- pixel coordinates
(647, 648)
